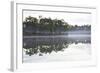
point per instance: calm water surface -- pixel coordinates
(56, 48)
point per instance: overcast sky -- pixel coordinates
(71, 18)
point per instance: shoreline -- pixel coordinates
(58, 36)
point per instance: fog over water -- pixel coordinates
(71, 47)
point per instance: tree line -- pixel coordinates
(49, 26)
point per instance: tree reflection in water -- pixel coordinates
(48, 45)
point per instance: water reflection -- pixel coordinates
(47, 45)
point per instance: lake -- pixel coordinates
(55, 48)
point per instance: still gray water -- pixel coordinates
(70, 47)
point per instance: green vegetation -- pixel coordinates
(43, 25)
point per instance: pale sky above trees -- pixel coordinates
(71, 18)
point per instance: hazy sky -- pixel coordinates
(71, 18)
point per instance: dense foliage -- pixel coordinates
(33, 25)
